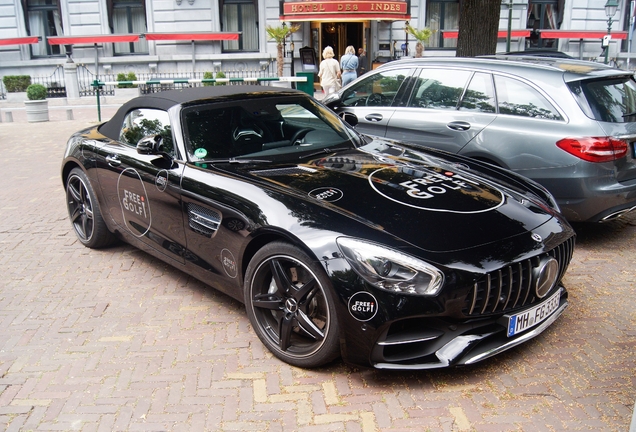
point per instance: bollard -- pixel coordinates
(9, 116)
(69, 114)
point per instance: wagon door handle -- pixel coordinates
(113, 160)
(374, 117)
(458, 125)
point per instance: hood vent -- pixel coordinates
(284, 171)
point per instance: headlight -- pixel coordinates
(390, 270)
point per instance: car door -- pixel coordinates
(374, 99)
(142, 192)
(523, 137)
(434, 116)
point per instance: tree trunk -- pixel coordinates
(279, 59)
(478, 27)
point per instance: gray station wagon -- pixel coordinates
(569, 125)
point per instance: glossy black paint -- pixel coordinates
(477, 219)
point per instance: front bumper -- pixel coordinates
(463, 348)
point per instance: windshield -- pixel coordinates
(608, 100)
(262, 128)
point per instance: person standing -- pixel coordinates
(349, 65)
(329, 72)
(362, 61)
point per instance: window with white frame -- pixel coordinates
(240, 16)
(126, 17)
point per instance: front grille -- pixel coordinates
(512, 287)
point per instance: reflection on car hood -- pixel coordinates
(433, 204)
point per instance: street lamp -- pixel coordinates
(610, 11)
(291, 45)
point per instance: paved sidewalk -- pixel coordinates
(115, 340)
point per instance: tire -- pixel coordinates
(290, 306)
(84, 212)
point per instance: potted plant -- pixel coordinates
(210, 75)
(16, 86)
(421, 36)
(37, 107)
(126, 90)
(279, 34)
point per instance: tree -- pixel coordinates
(421, 36)
(279, 34)
(478, 27)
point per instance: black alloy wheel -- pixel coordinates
(84, 212)
(290, 306)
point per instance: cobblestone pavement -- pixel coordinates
(107, 340)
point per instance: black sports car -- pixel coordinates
(339, 244)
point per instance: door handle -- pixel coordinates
(113, 160)
(374, 117)
(458, 125)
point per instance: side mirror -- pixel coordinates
(350, 118)
(150, 145)
(331, 100)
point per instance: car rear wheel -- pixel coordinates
(84, 212)
(290, 306)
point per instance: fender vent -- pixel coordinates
(202, 220)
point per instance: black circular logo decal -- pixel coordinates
(229, 263)
(436, 189)
(328, 194)
(363, 306)
(161, 181)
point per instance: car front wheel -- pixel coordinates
(84, 212)
(290, 306)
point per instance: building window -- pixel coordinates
(126, 17)
(240, 16)
(542, 15)
(442, 15)
(44, 18)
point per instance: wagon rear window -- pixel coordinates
(607, 100)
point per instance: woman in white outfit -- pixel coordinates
(329, 71)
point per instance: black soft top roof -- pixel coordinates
(192, 95)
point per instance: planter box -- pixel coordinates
(126, 93)
(37, 110)
(16, 97)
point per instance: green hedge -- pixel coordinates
(131, 76)
(16, 83)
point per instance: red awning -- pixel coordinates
(452, 34)
(215, 36)
(580, 34)
(92, 39)
(332, 10)
(20, 40)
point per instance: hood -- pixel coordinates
(433, 204)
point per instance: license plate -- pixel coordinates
(533, 316)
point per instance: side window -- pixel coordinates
(480, 94)
(439, 88)
(519, 99)
(146, 121)
(377, 90)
